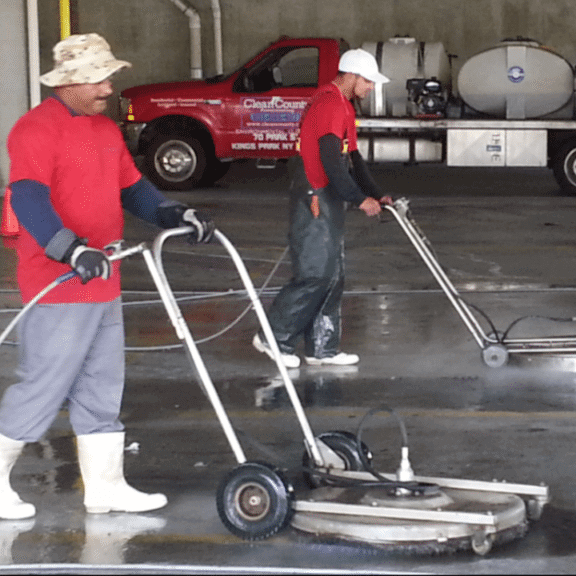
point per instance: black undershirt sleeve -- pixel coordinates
(363, 177)
(337, 169)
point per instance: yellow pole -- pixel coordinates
(64, 19)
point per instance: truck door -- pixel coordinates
(269, 98)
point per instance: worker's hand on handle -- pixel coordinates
(202, 224)
(370, 206)
(174, 214)
(88, 262)
(388, 200)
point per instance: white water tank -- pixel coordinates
(516, 79)
(402, 58)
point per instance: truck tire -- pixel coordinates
(175, 162)
(564, 166)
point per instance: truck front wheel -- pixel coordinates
(175, 162)
(564, 166)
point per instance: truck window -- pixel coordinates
(284, 68)
(299, 67)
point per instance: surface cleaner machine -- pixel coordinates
(347, 499)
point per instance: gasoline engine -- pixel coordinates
(428, 95)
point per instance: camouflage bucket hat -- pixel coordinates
(82, 59)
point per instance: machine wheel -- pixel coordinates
(482, 543)
(254, 501)
(495, 355)
(564, 166)
(345, 445)
(175, 162)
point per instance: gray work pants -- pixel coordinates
(69, 354)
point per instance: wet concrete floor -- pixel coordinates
(505, 239)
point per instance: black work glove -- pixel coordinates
(176, 215)
(87, 262)
(202, 224)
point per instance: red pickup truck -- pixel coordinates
(189, 132)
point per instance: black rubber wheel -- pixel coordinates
(564, 166)
(254, 501)
(175, 162)
(345, 445)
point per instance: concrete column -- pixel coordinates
(13, 71)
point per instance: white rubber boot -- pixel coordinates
(11, 507)
(101, 459)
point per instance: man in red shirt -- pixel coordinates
(330, 173)
(71, 177)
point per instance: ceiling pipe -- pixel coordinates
(33, 53)
(195, 39)
(217, 35)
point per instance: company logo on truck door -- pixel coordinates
(275, 110)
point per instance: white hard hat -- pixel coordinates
(360, 62)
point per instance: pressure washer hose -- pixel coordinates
(383, 408)
(64, 278)
(71, 274)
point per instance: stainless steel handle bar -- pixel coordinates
(400, 212)
(157, 270)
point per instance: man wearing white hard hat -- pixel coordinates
(71, 177)
(329, 174)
